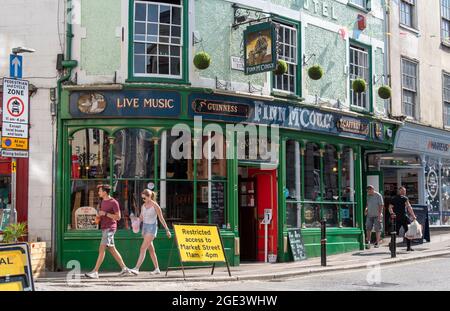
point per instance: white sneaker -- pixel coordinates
(92, 275)
(156, 271)
(125, 271)
(134, 271)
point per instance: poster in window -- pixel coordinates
(260, 48)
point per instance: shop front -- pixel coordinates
(420, 163)
(212, 159)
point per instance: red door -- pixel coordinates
(266, 192)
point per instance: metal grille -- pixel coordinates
(359, 68)
(157, 39)
(287, 37)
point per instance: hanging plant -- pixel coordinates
(282, 67)
(202, 60)
(315, 72)
(385, 92)
(359, 85)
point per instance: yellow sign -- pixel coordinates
(199, 243)
(12, 263)
(11, 287)
(15, 143)
(13, 166)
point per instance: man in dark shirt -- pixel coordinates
(399, 207)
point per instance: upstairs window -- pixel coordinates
(446, 97)
(409, 87)
(445, 23)
(158, 39)
(359, 68)
(407, 13)
(287, 37)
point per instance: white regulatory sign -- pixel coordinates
(14, 154)
(15, 101)
(15, 130)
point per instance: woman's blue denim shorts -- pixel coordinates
(150, 229)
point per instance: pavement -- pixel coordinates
(439, 246)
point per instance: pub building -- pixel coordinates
(126, 137)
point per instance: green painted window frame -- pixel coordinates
(369, 49)
(185, 49)
(157, 133)
(302, 201)
(298, 82)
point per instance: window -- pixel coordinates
(409, 86)
(361, 3)
(407, 13)
(445, 23)
(287, 37)
(446, 96)
(157, 39)
(319, 184)
(359, 68)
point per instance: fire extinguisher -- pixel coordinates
(75, 167)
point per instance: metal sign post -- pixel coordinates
(13, 219)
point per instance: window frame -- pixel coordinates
(446, 101)
(445, 20)
(413, 13)
(369, 91)
(365, 7)
(416, 91)
(298, 73)
(184, 63)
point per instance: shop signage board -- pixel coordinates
(85, 218)
(199, 244)
(421, 212)
(15, 267)
(432, 142)
(234, 109)
(104, 104)
(296, 243)
(260, 48)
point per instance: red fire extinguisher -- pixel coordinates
(75, 167)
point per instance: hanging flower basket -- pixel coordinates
(315, 72)
(385, 92)
(202, 60)
(282, 68)
(359, 85)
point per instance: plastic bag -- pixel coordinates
(135, 223)
(414, 231)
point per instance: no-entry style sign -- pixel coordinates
(15, 101)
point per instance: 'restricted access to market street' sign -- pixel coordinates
(260, 46)
(198, 243)
(15, 268)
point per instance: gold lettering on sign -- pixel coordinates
(127, 102)
(158, 103)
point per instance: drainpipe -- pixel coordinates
(387, 48)
(68, 65)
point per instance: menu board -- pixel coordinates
(85, 218)
(296, 243)
(217, 203)
(5, 215)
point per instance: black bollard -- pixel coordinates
(323, 242)
(393, 244)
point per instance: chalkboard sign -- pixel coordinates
(296, 243)
(421, 212)
(5, 216)
(217, 203)
(85, 218)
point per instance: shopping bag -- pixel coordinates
(135, 224)
(414, 231)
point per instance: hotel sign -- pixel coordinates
(105, 104)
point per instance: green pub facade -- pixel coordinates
(282, 147)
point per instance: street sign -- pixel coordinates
(15, 101)
(14, 154)
(15, 66)
(14, 143)
(15, 130)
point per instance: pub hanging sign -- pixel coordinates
(260, 48)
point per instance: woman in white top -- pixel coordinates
(150, 212)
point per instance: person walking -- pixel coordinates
(399, 208)
(374, 213)
(109, 216)
(150, 212)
